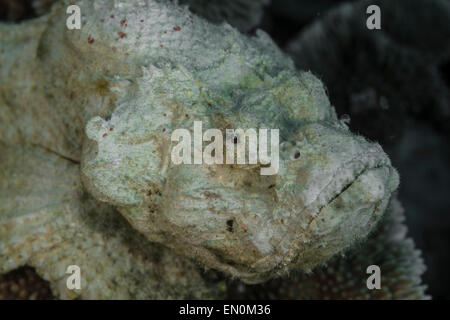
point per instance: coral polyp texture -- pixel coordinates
(86, 118)
(23, 283)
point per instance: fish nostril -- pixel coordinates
(230, 225)
(295, 154)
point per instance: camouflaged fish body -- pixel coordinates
(48, 222)
(107, 97)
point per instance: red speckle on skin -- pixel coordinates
(90, 40)
(122, 34)
(112, 16)
(142, 20)
(177, 28)
(164, 129)
(104, 135)
(122, 22)
(164, 114)
(111, 129)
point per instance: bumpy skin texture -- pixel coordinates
(316, 206)
(159, 67)
(344, 276)
(48, 222)
(242, 14)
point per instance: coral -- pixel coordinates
(23, 283)
(423, 158)
(394, 84)
(380, 77)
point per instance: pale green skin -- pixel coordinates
(296, 219)
(320, 204)
(242, 14)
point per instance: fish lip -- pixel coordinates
(356, 177)
(315, 209)
(380, 160)
(319, 211)
(364, 163)
(357, 166)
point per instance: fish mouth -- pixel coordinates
(346, 210)
(364, 172)
(364, 186)
(352, 213)
(352, 171)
